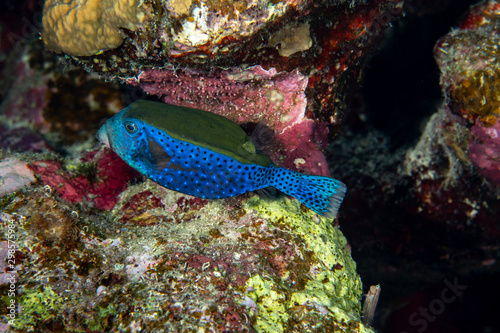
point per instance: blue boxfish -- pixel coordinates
(208, 156)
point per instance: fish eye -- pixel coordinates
(130, 127)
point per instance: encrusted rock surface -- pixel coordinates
(178, 263)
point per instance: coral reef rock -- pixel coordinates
(164, 261)
(469, 61)
(285, 62)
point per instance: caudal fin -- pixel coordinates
(321, 194)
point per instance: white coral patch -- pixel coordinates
(196, 32)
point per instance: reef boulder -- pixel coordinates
(164, 260)
(469, 61)
(286, 62)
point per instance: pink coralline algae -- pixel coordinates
(14, 175)
(305, 143)
(275, 99)
(112, 172)
(484, 151)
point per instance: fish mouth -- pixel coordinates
(102, 136)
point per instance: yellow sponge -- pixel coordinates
(85, 27)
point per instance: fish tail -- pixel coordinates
(321, 194)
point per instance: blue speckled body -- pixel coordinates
(204, 155)
(194, 170)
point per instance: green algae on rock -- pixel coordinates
(332, 287)
(37, 306)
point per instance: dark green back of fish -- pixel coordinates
(202, 128)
